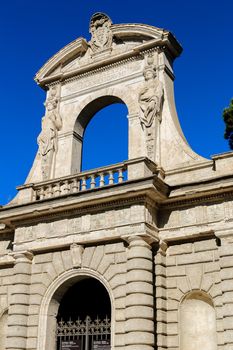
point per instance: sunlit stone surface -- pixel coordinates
(150, 238)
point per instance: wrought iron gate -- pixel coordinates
(84, 335)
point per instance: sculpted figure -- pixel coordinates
(150, 97)
(101, 32)
(47, 140)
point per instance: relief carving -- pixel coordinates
(151, 101)
(47, 139)
(101, 34)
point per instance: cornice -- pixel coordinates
(156, 38)
(145, 192)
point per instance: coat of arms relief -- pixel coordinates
(101, 34)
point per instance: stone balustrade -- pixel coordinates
(88, 180)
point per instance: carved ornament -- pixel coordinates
(101, 34)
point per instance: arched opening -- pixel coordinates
(3, 330)
(105, 139)
(100, 134)
(84, 317)
(197, 322)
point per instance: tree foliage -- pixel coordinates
(228, 119)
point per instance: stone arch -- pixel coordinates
(197, 322)
(100, 99)
(51, 301)
(87, 108)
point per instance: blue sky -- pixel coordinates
(32, 31)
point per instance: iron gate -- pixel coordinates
(84, 335)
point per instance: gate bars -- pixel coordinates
(84, 335)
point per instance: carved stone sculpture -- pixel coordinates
(47, 139)
(151, 95)
(151, 101)
(100, 29)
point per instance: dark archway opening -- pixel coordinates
(84, 317)
(105, 140)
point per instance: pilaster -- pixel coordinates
(226, 272)
(160, 296)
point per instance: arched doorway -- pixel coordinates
(84, 317)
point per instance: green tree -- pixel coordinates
(228, 120)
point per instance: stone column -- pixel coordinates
(19, 302)
(139, 296)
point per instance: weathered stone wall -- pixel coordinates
(108, 261)
(192, 267)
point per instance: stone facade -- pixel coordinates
(156, 230)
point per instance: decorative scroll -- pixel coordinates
(100, 29)
(150, 101)
(47, 139)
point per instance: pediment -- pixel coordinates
(109, 43)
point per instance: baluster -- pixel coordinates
(50, 191)
(92, 181)
(84, 184)
(75, 185)
(102, 180)
(111, 178)
(66, 187)
(120, 176)
(42, 193)
(35, 195)
(57, 189)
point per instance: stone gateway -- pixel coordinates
(131, 256)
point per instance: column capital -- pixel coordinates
(22, 256)
(145, 240)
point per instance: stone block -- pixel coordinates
(58, 263)
(139, 311)
(120, 303)
(139, 287)
(205, 245)
(139, 325)
(118, 280)
(139, 299)
(172, 316)
(196, 258)
(172, 329)
(139, 275)
(171, 261)
(87, 256)
(67, 260)
(139, 264)
(142, 338)
(105, 263)
(226, 261)
(180, 249)
(173, 271)
(43, 258)
(119, 292)
(120, 258)
(97, 257)
(115, 248)
(172, 341)
(113, 270)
